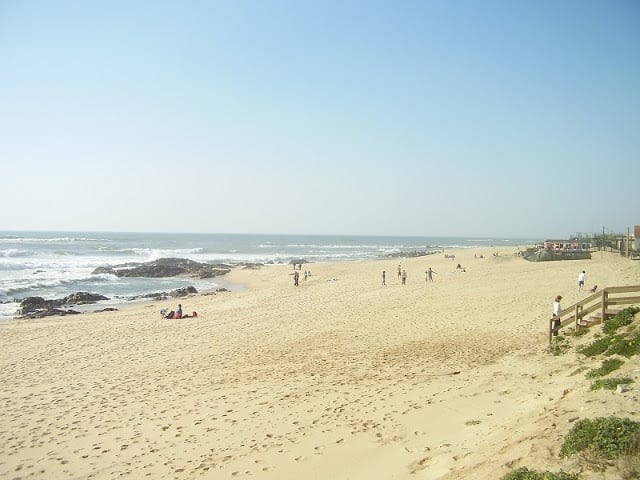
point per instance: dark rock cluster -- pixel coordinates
(183, 292)
(166, 267)
(38, 307)
(415, 253)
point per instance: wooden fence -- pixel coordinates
(599, 304)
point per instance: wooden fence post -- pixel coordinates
(604, 304)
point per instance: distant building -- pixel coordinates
(636, 235)
(561, 245)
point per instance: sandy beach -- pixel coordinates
(338, 378)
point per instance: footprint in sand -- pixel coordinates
(419, 464)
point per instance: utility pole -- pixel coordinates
(628, 240)
(603, 244)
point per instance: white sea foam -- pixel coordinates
(14, 252)
(17, 239)
(8, 310)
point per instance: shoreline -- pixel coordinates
(223, 280)
(339, 378)
(220, 282)
(118, 302)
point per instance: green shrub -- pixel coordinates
(607, 437)
(615, 344)
(610, 383)
(559, 346)
(608, 366)
(623, 318)
(596, 347)
(524, 473)
(581, 331)
(625, 346)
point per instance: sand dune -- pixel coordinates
(339, 378)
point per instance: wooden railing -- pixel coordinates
(598, 302)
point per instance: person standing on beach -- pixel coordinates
(557, 311)
(384, 277)
(296, 277)
(581, 278)
(399, 271)
(404, 277)
(429, 275)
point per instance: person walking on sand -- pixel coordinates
(399, 271)
(296, 277)
(581, 278)
(429, 275)
(404, 277)
(384, 277)
(557, 311)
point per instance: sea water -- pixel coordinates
(57, 264)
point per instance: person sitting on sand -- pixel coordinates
(593, 290)
(164, 313)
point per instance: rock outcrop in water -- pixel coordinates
(413, 254)
(166, 267)
(38, 307)
(183, 292)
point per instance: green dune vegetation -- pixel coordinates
(606, 443)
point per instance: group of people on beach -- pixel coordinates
(402, 275)
(177, 313)
(296, 277)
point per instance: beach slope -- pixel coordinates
(338, 378)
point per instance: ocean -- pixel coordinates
(56, 264)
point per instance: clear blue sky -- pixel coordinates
(488, 118)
